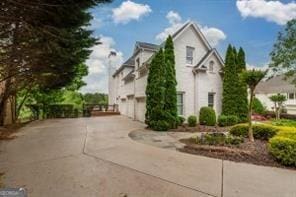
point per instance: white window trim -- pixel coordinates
(183, 104)
(193, 49)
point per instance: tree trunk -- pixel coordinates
(251, 136)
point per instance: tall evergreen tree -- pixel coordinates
(242, 104)
(170, 103)
(155, 90)
(230, 82)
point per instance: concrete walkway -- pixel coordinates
(95, 157)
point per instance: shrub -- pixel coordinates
(159, 125)
(207, 116)
(192, 121)
(283, 149)
(181, 120)
(258, 107)
(219, 139)
(284, 122)
(262, 132)
(230, 120)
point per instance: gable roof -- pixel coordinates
(189, 24)
(276, 84)
(128, 63)
(207, 56)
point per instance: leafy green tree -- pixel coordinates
(258, 107)
(230, 83)
(251, 78)
(155, 91)
(283, 55)
(242, 95)
(278, 101)
(170, 103)
(96, 98)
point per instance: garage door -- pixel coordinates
(123, 107)
(130, 106)
(140, 109)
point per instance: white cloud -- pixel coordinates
(129, 10)
(173, 17)
(98, 63)
(262, 67)
(213, 35)
(273, 11)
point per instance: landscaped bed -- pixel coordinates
(273, 146)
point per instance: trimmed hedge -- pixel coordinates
(283, 149)
(219, 139)
(224, 121)
(262, 132)
(181, 120)
(159, 125)
(192, 121)
(207, 116)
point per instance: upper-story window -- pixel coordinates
(138, 62)
(189, 55)
(211, 66)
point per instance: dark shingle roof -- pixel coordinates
(146, 45)
(276, 84)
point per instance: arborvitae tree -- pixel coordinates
(170, 104)
(155, 90)
(242, 97)
(230, 82)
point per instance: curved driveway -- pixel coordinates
(95, 157)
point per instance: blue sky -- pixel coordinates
(251, 24)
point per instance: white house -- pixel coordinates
(198, 73)
(277, 85)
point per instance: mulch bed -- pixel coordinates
(255, 153)
(200, 128)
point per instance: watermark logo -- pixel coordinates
(13, 192)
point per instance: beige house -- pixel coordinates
(277, 85)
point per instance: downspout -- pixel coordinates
(194, 92)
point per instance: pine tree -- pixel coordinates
(230, 82)
(170, 104)
(242, 106)
(155, 90)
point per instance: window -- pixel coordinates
(189, 55)
(211, 66)
(291, 96)
(211, 99)
(180, 103)
(138, 62)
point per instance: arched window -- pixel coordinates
(211, 66)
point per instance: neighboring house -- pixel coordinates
(198, 73)
(277, 85)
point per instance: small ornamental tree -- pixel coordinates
(278, 101)
(251, 78)
(170, 103)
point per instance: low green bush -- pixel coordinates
(160, 125)
(224, 121)
(284, 122)
(192, 121)
(181, 120)
(207, 116)
(283, 149)
(258, 107)
(219, 139)
(260, 131)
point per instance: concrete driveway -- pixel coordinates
(95, 157)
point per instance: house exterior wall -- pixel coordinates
(290, 104)
(194, 86)
(209, 82)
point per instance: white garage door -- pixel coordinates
(123, 107)
(140, 109)
(130, 106)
